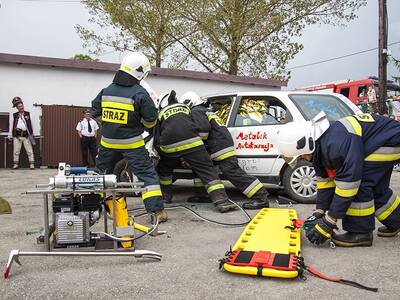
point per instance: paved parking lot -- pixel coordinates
(189, 268)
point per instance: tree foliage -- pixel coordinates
(135, 25)
(83, 57)
(247, 37)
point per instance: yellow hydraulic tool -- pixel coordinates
(123, 221)
(121, 218)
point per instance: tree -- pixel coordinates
(255, 37)
(246, 37)
(144, 25)
(397, 64)
(84, 57)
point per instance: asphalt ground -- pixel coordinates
(189, 267)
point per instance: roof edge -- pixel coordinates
(156, 71)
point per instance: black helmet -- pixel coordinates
(16, 100)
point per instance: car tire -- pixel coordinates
(300, 183)
(124, 174)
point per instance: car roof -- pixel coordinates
(265, 93)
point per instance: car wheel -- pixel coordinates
(124, 174)
(300, 183)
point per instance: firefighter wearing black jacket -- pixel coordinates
(177, 138)
(353, 160)
(126, 109)
(220, 145)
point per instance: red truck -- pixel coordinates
(355, 89)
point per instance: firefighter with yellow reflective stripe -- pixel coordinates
(176, 138)
(220, 145)
(361, 150)
(126, 109)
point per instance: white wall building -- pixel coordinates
(43, 80)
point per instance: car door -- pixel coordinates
(253, 123)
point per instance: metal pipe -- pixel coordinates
(132, 184)
(136, 253)
(15, 254)
(46, 221)
(114, 221)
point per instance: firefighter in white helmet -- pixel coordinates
(353, 159)
(177, 138)
(126, 110)
(220, 146)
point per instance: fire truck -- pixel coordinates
(355, 90)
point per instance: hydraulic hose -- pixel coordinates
(174, 207)
(112, 237)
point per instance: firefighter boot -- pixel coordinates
(224, 206)
(221, 201)
(353, 239)
(162, 216)
(385, 231)
(166, 193)
(258, 201)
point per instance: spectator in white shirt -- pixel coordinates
(87, 131)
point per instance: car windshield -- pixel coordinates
(311, 104)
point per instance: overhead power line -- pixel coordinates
(338, 57)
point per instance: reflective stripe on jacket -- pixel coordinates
(176, 132)
(216, 136)
(125, 111)
(344, 147)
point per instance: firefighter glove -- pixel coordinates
(322, 230)
(310, 221)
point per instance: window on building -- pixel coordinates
(4, 122)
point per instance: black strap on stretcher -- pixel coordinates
(283, 262)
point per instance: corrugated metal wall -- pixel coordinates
(60, 139)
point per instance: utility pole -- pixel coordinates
(382, 53)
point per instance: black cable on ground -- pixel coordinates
(172, 207)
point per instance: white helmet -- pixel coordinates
(191, 99)
(295, 140)
(136, 64)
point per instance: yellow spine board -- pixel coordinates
(270, 230)
(121, 218)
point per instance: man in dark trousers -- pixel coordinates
(176, 138)
(87, 131)
(126, 109)
(20, 130)
(220, 145)
(353, 160)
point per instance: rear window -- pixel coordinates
(311, 104)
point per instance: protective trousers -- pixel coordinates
(17, 143)
(374, 199)
(141, 165)
(247, 184)
(201, 165)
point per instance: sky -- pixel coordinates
(46, 28)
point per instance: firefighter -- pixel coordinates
(219, 144)
(176, 138)
(353, 159)
(126, 109)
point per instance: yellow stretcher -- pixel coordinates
(269, 245)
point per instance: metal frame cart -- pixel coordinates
(63, 183)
